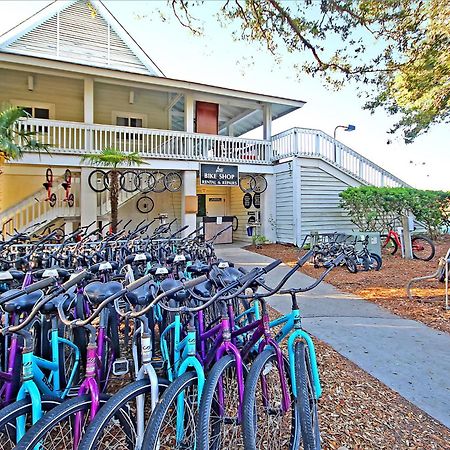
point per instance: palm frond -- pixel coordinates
(113, 157)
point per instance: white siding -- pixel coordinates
(84, 37)
(284, 207)
(320, 210)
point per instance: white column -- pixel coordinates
(88, 199)
(69, 227)
(189, 113)
(267, 121)
(296, 192)
(268, 209)
(88, 100)
(189, 190)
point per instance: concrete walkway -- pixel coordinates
(406, 355)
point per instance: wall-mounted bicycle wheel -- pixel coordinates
(70, 200)
(52, 200)
(144, 181)
(173, 181)
(245, 183)
(258, 184)
(68, 176)
(160, 185)
(128, 181)
(235, 224)
(145, 205)
(107, 179)
(49, 175)
(96, 181)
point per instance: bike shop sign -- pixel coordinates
(219, 175)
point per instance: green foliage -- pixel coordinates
(398, 51)
(14, 139)
(379, 209)
(112, 157)
(259, 239)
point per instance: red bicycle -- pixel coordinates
(422, 247)
(67, 184)
(51, 196)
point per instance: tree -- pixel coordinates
(112, 158)
(398, 51)
(15, 139)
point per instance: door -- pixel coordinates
(216, 205)
(207, 118)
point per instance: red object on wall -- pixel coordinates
(207, 118)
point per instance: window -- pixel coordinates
(36, 111)
(124, 119)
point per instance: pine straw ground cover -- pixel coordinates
(386, 287)
(357, 411)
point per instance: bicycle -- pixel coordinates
(422, 247)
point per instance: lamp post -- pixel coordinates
(346, 128)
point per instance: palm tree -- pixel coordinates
(14, 140)
(112, 158)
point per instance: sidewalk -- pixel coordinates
(406, 355)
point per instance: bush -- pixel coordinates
(379, 209)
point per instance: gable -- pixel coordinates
(84, 33)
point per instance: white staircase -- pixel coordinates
(36, 209)
(310, 143)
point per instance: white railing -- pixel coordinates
(35, 209)
(316, 143)
(80, 138)
(104, 204)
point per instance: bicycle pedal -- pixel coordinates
(120, 367)
(157, 363)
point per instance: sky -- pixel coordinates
(215, 58)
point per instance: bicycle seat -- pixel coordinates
(138, 258)
(96, 291)
(52, 272)
(103, 266)
(203, 289)
(52, 305)
(12, 274)
(198, 268)
(143, 295)
(47, 185)
(170, 283)
(159, 270)
(23, 303)
(65, 185)
(229, 275)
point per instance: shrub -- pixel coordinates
(379, 209)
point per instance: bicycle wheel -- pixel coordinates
(258, 184)
(165, 422)
(96, 181)
(10, 414)
(245, 183)
(235, 223)
(68, 176)
(128, 181)
(49, 175)
(144, 181)
(70, 200)
(52, 200)
(145, 205)
(375, 262)
(388, 245)
(159, 185)
(218, 425)
(264, 424)
(306, 398)
(422, 248)
(350, 263)
(58, 428)
(108, 428)
(173, 182)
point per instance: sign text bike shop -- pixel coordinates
(219, 175)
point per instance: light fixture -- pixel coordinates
(346, 128)
(131, 97)
(30, 82)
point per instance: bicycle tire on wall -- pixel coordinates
(428, 244)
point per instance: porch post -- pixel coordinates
(189, 113)
(297, 199)
(268, 209)
(88, 199)
(88, 111)
(189, 201)
(267, 121)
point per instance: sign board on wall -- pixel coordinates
(247, 200)
(219, 174)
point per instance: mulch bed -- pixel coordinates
(357, 411)
(386, 287)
